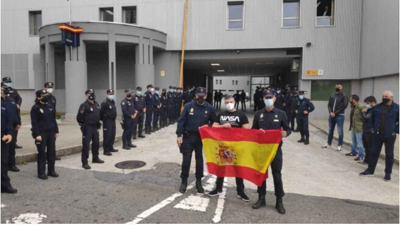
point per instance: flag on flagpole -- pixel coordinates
(243, 153)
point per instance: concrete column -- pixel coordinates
(144, 69)
(75, 80)
(112, 71)
(50, 64)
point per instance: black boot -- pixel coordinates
(199, 186)
(307, 141)
(131, 145)
(182, 189)
(279, 205)
(141, 135)
(152, 129)
(301, 140)
(147, 130)
(125, 146)
(134, 136)
(260, 202)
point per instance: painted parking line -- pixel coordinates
(220, 205)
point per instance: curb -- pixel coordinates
(31, 157)
(347, 143)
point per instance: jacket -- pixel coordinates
(337, 103)
(392, 120)
(357, 120)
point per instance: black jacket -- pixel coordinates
(338, 102)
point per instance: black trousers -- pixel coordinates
(11, 149)
(46, 151)
(177, 111)
(292, 119)
(163, 116)
(243, 105)
(276, 167)
(368, 137)
(90, 134)
(302, 123)
(149, 115)
(192, 141)
(218, 104)
(379, 140)
(156, 117)
(5, 179)
(138, 121)
(171, 112)
(109, 130)
(128, 130)
(239, 184)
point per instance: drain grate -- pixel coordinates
(133, 164)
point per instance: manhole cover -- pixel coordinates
(133, 164)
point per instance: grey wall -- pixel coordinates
(380, 38)
(170, 63)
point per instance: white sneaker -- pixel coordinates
(339, 148)
(326, 146)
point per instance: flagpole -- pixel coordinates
(183, 48)
(70, 12)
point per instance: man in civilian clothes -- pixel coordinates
(368, 136)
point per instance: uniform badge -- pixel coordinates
(261, 116)
(110, 107)
(205, 112)
(91, 109)
(123, 103)
(137, 99)
(276, 116)
(82, 110)
(191, 111)
(41, 110)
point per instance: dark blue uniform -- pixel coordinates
(13, 94)
(275, 119)
(192, 118)
(280, 100)
(164, 110)
(288, 103)
(52, 101)
(302, 119)
(108, 114)
(89, 119)
(6, 129)
(171, 107)
(157, 107)
(149, 110)
(294, 101)
(177, 101)
(16, 121)
(43, 119)
(128, 110)
(186, 97)
(140, 105)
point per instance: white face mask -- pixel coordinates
(230, 106)
(50, 90)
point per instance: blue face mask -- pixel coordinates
(111, 97)
(301, 97)
(139, 93)
(158, 92)
(269, 102)
(8, 84)
(368, 106)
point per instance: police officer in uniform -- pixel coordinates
(260, 100)
(303, 108)
(267, 119)
(177, 103)
(89, 120)
(255, 99)
(49, 87)
(140, 106)
(280, 99)
(128, 116)
(149, 108)
(157, 108)
(293, 105)
(108, 114)
(13, 94)
(7, 130)
(163, 109)
(186, 95)
(171, 104)
(45, 133)
(194, 115)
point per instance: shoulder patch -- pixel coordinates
(123, 103)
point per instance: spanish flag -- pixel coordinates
(244, 153)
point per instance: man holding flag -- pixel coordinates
(228, 119)
(266, 119)
(195, 114)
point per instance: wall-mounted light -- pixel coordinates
(220, 71)
(308, 44)
(214, 64)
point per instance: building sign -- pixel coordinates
(314, 72)
(162, 73)
(295, 65)
(70, 35)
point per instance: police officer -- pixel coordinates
(163, 109)
(128, 116)
(108, 114)
(178, 101)
(295, 100)
(13, 94)
(171, 104)
(237, 99)
(192, 93)
(220, 96)
(280, 99)
(288, 101)
(194, 115)
(186, 95)
(267, 119)
(255, 99)
(49, 87)
(89, 120)
(157, 107)
(260, 101)
(7, 130)
(140, 106)
(45, 132)
(149, 108)
(303, 108)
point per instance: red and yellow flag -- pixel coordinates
(243, 153)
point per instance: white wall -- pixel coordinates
(227, 84)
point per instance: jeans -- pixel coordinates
(358, 147)
(339, 120)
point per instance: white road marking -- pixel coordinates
(28, 218)
(220, 205)
(193, 203)
(159, 206)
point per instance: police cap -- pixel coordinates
(301, 92)
(269, 94)
(89, 91)
(7, 79)
(139, 88)
(40, 93)
(48, 84)
(150, 86)
(157, 88)
(201, 91)
(110, 91)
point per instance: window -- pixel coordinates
(248, 83)
(291, 13)
(35, 21)
(233, 82)
(220, 81)
(129, 14)
(325, 13)
(236, 82)
(216, 81)
(235, 15)
(322, 89)
(107, 14)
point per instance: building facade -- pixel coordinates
(312, 44)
